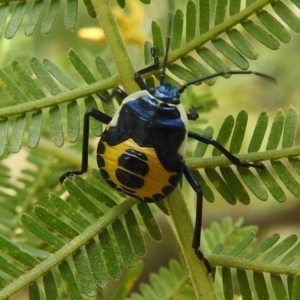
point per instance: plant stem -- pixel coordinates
(214, 32)
(58, 99)
(73, 157)
(256, 266)
(116, 44)
(222, 161)
(202, 282)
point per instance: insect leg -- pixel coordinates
(230, 156)
(99, 116)
(137, 75)
(116, 92)
(198, 222)
(193, 114)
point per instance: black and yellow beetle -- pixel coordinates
(142, 150)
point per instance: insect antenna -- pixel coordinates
(168, 41)
(231, 72)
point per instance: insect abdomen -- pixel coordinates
(135, 171)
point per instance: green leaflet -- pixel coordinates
(84, 271)
(51, 16)
(51, 288)
(71, 16)
(33, 18)
(191, 21)
(17, 135)
(15, 20)
(70, 283)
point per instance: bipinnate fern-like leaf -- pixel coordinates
(69, 229)
(12, 15)
(270, 257)
(17, 193)
(259, 20)
(268, 262)
(166, 284)
(46, 13)
(235, 186)
(267, 269)
(53, 81)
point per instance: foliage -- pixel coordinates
(70, 241)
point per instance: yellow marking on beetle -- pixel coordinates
(154, 181)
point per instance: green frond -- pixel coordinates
(269, 252)
(253, 279)
(167, 283)
(27, 92)
(232, 28)
(71, 241)
(240, 266)
(18, 193)
(69, 231)
(39, 15)
(235, 186)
